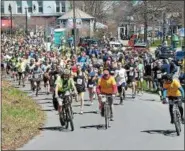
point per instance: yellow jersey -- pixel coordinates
(173, 88)
(107, 86)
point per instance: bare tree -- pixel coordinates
(98, 9)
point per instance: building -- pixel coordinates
(42, 8)
(84, 22)
(38, 10)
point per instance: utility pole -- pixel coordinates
(26, 13)
(10, 10)
(164, 27)
(74, 27)
(182, 17)
(145, 21)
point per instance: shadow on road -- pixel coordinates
(54, 128)
(50, 110)
(99, 127)
(164, 132)
(117, 104)
(44, 99)
(45, 102)
(128, 98)
(91, 112)
(80, 105)
(152, 100)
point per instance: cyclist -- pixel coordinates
(174, 92)
(62, 84)
(106, 85)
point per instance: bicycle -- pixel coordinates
(107, 109)
(177, 116)
(66, 115)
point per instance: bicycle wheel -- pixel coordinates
(61, 118)
(106, 114)
(69, 119)
(177, 122)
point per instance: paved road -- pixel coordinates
(139, 124)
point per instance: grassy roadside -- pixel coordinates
(21, 117)
(146, 90)
(158, 42)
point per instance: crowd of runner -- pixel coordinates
(96, 70)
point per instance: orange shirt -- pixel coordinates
(107, 86)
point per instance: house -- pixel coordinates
(37, 11)
(84, 22)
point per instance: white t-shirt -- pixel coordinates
(121, 76)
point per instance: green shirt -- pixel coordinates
(64, 85)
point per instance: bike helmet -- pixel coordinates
(167, 77)
(66, 72)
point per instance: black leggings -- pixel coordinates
(171, 110)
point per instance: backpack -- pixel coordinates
(173, 68)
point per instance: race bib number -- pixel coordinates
(37, 76)
(91, 85)
(159, 76)
(141, 74)
(131, 73)
(121, 75)
(136, 75)
(79, 81)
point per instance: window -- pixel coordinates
(63, 6)
(40, 4)
(57, 6)
(19, 6)
(2, 6)
(29, 6)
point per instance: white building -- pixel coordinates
(42, 8)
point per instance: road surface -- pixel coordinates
(140, 124)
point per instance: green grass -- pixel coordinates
(146, 89)
(21, 117)
(158, 42)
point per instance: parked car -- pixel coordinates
(141, 47)
(165, 52)
(179, 56)
(93, 42)
(115, 45)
